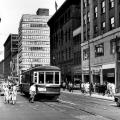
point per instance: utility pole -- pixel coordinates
(88, 40)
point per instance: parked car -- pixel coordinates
(76, 85)
(117, 99)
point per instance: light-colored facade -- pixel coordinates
(34, 42)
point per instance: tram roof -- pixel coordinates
(43, 68)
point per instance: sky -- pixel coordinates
(11, 12)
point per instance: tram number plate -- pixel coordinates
(41, 89)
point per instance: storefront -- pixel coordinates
(77, 73)
(85, 75)
(109, 73)
(96, 74)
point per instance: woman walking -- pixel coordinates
(14, 94)
(6, 94)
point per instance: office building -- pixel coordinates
(34, 42)
(65, 51)
(10, 50)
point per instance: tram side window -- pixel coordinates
(41, 77)
(49, 77)
(35, 77)
(23, 78)
(56, 77)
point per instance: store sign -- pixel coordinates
(96, 70)
(85, 72)
(110, 74)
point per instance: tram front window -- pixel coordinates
(49, 77)
(41, 77)
(56, 77)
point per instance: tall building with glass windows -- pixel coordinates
(34, 42)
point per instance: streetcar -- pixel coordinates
(47, 80)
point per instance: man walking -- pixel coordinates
(32, 92)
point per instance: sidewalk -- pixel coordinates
(95, 95)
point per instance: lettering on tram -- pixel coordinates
(47, 80)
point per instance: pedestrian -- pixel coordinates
(70, 87)
(32, 92)
(6, 94)
(64, 85)
(14, 94)
(90, 88)
(10, 93)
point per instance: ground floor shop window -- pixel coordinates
(86, 78)
(96, 78)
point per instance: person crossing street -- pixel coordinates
(32, 92)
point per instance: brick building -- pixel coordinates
(10, 50)
(101, 25)
(62, 24)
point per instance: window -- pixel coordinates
(49, 77)
(84, 3)
(112, 46)
(103, 7)
(41, 77)
(77, 39)
(103, 26)
(112, 23)
(56, 77)
(35, 77)
(85, 54)
(84, 35)
(95, 29)
(111, 3)
(77, 58)
(95, 12)
(88, 34)
(88, 17)
(84, 19)
(99, 50)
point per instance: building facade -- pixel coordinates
(62, 51)
(10, 49)
(101, 29)
(34, 42)
(2, 69)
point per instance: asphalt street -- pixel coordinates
(68, 107)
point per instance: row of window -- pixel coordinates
(103, 26)
(63, 55)
(30, 65)
(99, 50)
(77, 39)
(42, 19)
(63, 19)
(35, 37)
(43, 60)
(36, 48)
(36, 54)
(58, 39)
(47, 77)
(34, 25)
(36, 31)
(36, 43)
(77, 58)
